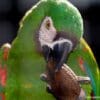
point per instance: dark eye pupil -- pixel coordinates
(48, 25)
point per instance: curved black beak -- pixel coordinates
(59, 53)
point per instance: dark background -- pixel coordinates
(11, 12)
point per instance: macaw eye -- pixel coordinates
(48, 24)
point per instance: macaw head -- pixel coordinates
(54, 16)
(56, 22)
(54, 43)
(61, 18)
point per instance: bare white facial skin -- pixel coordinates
(47, 31)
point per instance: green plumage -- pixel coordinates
(89, 64)
(25, 63)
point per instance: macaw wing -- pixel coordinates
(25, 63)
(83, 63)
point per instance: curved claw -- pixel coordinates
(43, 77)
(48, 88)
(82, 95)
(83, 80)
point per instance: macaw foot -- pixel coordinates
(44, 78)
(49, 90)
(73, 85)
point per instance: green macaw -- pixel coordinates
(63, 24)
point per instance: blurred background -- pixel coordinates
(11, 12)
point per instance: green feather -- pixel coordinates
(83, 51)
